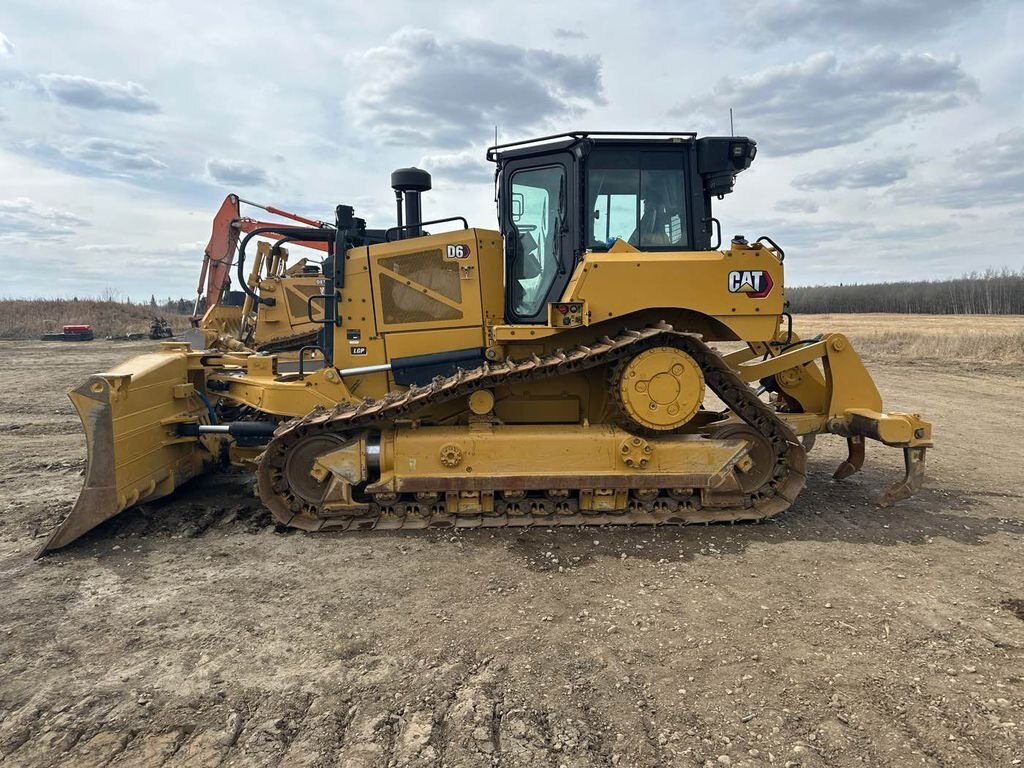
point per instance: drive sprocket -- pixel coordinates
(657, 390)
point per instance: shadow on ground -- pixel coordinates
(826, 511)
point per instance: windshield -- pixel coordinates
(637, 196)
(538, 202)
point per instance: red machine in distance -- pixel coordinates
(71, 333)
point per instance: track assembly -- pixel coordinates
(769, 472)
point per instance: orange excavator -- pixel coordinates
(228, 225)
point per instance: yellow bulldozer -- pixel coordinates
(555, 371)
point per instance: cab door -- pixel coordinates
(538, 196)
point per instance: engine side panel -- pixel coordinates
(741, 288)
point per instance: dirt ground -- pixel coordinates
(193, 632)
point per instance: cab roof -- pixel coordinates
(555, 142)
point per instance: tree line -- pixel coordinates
(992, 292)
(168, 305)
(174, 306)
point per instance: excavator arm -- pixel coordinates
(219, 256)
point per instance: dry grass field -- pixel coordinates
(30, 318)
(912, 338)
(194, 632)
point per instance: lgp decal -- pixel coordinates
(458, 251)
(756, 283)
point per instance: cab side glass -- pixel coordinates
(535, 210)
(639, 197)
(614, 209)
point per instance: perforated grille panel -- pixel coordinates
(403, 303)
(406, 302)
(430, 270)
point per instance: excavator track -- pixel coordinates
(785, 478)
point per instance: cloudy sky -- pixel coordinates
(890, 132)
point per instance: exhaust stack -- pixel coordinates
(409, 183)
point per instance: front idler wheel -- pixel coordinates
(760, 468)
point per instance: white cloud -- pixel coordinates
(469, 166)
(87, 93)
(794, 205)
(24, 220)
(120, 157)
(104, 247)
(984, 174)
(825, 101)
(857, 249)
(195, 246)
(423, 90)
(237, 173)
(6, 46)
(863, 173)
(768, 21)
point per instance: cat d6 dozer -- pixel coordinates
(556, 371)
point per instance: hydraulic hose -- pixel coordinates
(308, 234)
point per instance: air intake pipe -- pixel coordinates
(408, 184)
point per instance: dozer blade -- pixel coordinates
(130, 417)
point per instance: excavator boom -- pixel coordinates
(219, 256)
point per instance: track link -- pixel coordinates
(668, 506)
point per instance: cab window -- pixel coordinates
(537, 215)
(639, 197)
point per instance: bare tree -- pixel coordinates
(993, 292)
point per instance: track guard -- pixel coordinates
(130, 417)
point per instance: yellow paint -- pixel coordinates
(445, 292)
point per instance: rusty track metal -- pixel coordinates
(668, 507)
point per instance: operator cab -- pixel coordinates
(562, 196)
